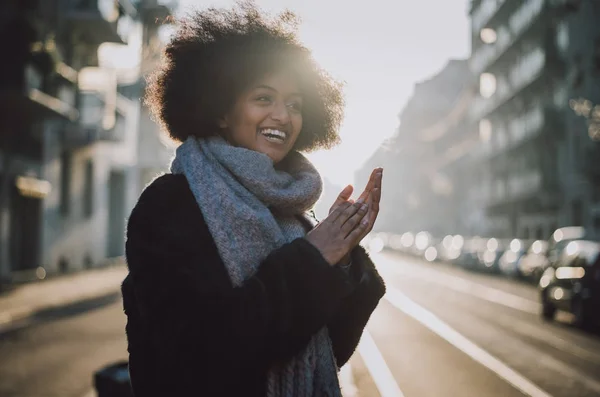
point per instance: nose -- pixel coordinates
(280, 113)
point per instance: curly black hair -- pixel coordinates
(216, 54)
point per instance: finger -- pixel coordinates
(369, 187)
(374, 181)
(375, 197)
(355, 219)
(378, 179)
(377, 175)
(338, 211)
(342, 197)
(358, 233)
(373, 208)
(348, 213)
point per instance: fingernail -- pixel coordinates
(365, 206)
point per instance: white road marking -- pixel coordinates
(546, 336)
(347, 384)
(499, 297)
(428, 319)
(467, 287)
(375, 363)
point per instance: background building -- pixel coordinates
(418, 188)
(514, 149)
(536, 60)
(70, 133)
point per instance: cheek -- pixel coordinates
(297, 123)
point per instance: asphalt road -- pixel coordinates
(440, 331)
(443, 331)
(57, 357)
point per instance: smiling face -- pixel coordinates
(267, 117)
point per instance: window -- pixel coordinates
(562, 37)
(66, 172)
(88, 192)
(487, 85)
(485, 130)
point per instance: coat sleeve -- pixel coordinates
(351, 317)
(182, 291)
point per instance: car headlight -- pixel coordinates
(547, 277)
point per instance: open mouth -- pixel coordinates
(275, 136)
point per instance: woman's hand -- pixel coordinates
(371, 195)
(341, 231)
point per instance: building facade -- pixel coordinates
(419, 193)
(537, 66)
(69, 137)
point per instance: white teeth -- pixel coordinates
(270, 132)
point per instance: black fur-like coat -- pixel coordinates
(191, 333)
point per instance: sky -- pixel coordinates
(379, 49)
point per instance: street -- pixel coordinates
(57, 358)
(440, 331)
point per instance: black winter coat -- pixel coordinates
(191, 333)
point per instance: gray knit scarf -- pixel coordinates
(251, 208)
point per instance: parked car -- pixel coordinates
(468, 257)
(561, 238)
(489, 259)
(509, 261)
(573, 284)
(535, 261)
(450, 247)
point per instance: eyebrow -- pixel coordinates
(273, 89)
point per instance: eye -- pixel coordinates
(296, 106)
(264, 98)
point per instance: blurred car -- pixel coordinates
(509, 261)
(534, 262)
(573, 284)
(489, 258)
(468, 257)
(422, 241)
(561, 238)
(450, 248)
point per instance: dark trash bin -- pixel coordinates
(113, 380)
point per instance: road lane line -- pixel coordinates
(499, 297)
(546, 336)
(428, 319)
(347, 384)
(375, 363)
(467, 287)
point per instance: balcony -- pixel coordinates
(484, 13)
(522, 73)
(98, 19)
(102, 118)
(31, 103)
(518, 23)
(524, 184)
(521, 130)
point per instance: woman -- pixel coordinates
(232, 290)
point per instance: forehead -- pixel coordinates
(284, 82)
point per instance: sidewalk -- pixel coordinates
(24, 302)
